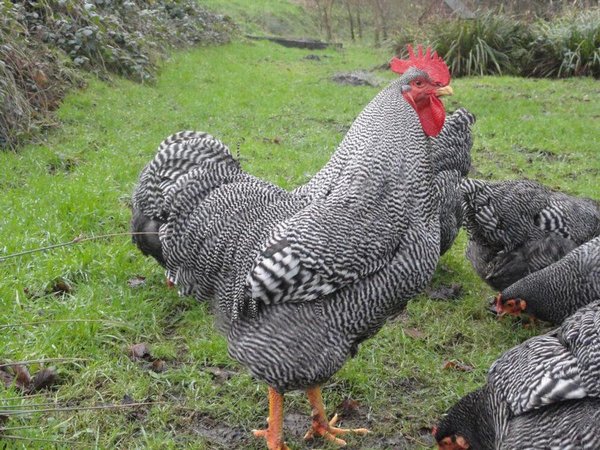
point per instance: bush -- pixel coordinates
(487, 45)
(45, 41)
(569, 46)
(495, 44)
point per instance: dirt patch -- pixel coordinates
(296, 425)
(357, 78)
(219, 433)
(537, 154)
(444, 291)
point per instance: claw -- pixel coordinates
(273, 434)
(322, 427)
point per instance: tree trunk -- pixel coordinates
(350, 20)
(325, 7)
(381, 12)
(358, 21)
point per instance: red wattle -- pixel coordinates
(432, 115)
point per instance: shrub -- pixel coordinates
(489, 44)
(44, 41)
(496, 44)
(568, 46)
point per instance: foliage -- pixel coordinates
(46, 39)
(568, 46)
(273, 17)
(488, 44)
(287, 117)
(498, 44)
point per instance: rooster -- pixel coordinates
(519, 227)
(542, 394)
(299, 279)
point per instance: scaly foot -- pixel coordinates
(320, 425)
(273, 434)
(329, 432)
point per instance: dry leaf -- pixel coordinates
(22, 377)
(220, 374)
(6, 378)
(414, 333)
(138, 351)
(444, 292)
(44, 379)
(348, 407)
(136, 282)
(457, 365)
(60, 286)
(158, 366)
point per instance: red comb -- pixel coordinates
(428, 62)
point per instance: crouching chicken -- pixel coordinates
(557, 291)
(299, 279)
(542, 394)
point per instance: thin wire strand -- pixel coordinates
(40, 361)
(77, 240)
(23, 438)
(39, 322)
(76, 408)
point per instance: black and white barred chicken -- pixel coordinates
(519, 227)
(557, 291)
(299, 279)
(451, 161)
(542, 394)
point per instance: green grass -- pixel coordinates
(275, 17)
(287, 118)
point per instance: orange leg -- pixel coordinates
(321, 426)
(274, 432)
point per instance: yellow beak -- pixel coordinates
(446, 90)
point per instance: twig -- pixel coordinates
(77, 408)
(24, 396)
(24, 427)
(23, 438)
(77, 240)
(38, 361)
(28, 405)
(414, 439)
(39, 322)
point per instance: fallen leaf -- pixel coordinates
(59, 286)
(6, 378)
(348, 407)
(127, 400)
(158, 366)
(220, 374)
(138, 351)
(136, 282)
(44, 379)
(444, 292)
(414, 333)
(457, 365)
(22, 377)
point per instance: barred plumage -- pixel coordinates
(557, 291)
(544, 393)
(298, 279)
(451, 160)
(518, 227)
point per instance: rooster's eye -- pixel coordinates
(418, 83)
